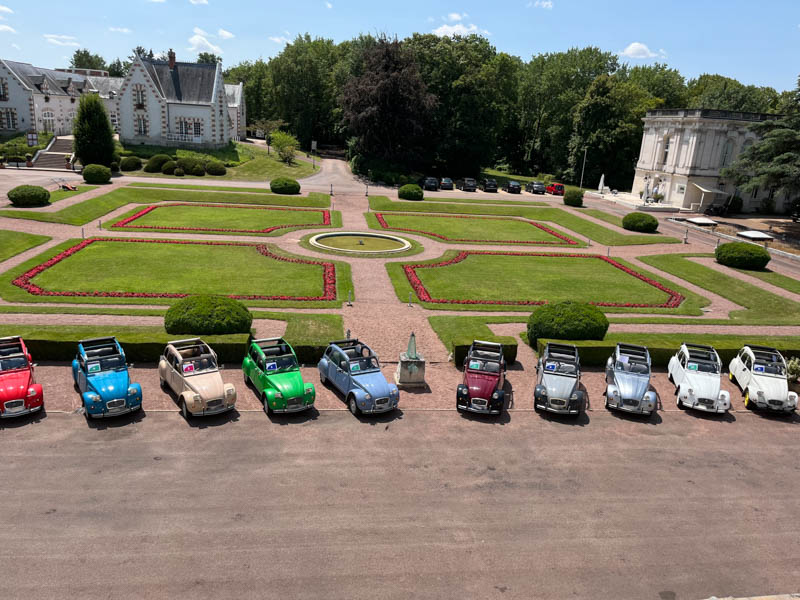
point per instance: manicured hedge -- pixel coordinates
(207, 315)
(114, 167)
(198, 170)
(641, 222)
(96, 174)
(573, 197)
(214, 167)
(284, 185)
(155, 163)
(410, 191)
(460, 347)
(188, 164)
(567, 321)
(742, 255)
(169, 167)
(130, 163)
(178, 172)
(28, 196)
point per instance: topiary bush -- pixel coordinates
(28, 196)
(156, 163)
(573, 197)
(198, 170)
(96, 174)
(207, 315)
(169, 167)
(410, 191)
(130, 163)
(188, 163)
(114, 167)
(178, 172)
(566, 321)
(214, 167)
(742, 255)
(284, 185)
(641, 222)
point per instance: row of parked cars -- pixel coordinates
(468, 184)
(189, 369)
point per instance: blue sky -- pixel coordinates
(755, 43)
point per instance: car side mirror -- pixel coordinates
(343, 365)
(609, 363)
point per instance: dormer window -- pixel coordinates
(139, 97)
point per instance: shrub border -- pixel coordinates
(419, 288)
(24, 280)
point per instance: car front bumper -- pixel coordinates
(566, 409)
(115, 412)
(380, 408)
(292, 409)
(767, 407)
(19, 413)
(709, 408)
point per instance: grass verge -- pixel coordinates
(416, 248)
(59, 194)
(14, 242)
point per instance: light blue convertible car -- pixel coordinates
(353, 369)
(101, 376)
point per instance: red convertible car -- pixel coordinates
(484, 378)
(557, 189)
(19, 395)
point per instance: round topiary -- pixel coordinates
(573, 197)
(214, 167)
(641, 222)
(284, 185)
(169, 167)
(96, 174)
(178, 172)
(742, 255)
(187, 163)
(207, 315)
(130, 163)
(567, 321)
(114, 167)
(28, 196)
(198, 170)
(155, 162)
(410, 191)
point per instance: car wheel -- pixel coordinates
(671, 380)
(747, 403)
(351, 403)
(162, 383)
(322, 379)
(184, 410)
(536, 408)
(730, 376)
(267, 409)
(680, 404)
(246, 378)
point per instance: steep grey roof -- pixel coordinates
(233, 93)
(57, 81)
(189, 83)
(105, 85)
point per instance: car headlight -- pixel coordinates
(131, 391)
(760, 394)
(278, 395)
(230, 391)
(309, 389)
(393, 392)
(197, 399)
(690, 392)
(31, 392)
(615, 393)
(574, 396)
(495, 396)
(367, 397)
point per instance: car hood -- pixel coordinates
(373, 383)
(774, 388)
(559, 386)
(630, 385)
(480, 385)
(289, 384)
(704, 385)
(14, 385)
(110, 384)
(208, 385)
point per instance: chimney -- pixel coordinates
(171, 56)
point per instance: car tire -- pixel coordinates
(536, 408)
(747, 403)
(185, 410)
(681, 406)
(246, 378)
(267, 409)
(671, 380)
(730, 375)
(162, 382)
(351, 404)
(322, 379)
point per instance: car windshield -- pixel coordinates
(360, 365)
(562, 368)
(201, 364)
(447, 180)
(281, 363)
(632, 366)
(108, 363)
(485, 366)
(12, 363)
(764, 368)
(702, 367)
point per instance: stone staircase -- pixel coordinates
(54, 157)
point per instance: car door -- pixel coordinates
(745, 370)
(174, 378)
(333, 367)
(679, 375)
(259, 370)
(81, 375)
(342, 374)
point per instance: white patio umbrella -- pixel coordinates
(602, 183)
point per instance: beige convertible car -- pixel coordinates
(189, 368)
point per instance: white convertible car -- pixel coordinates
(695, 371)
(761, 374)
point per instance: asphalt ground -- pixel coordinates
(425, 504)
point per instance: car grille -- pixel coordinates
(14, 405)
(479, 402)
(297, 401)
(216, 403)
(114, 404)
(706, 401)
(557, 402)
(776, 402)
(629, 402)
(381, 401)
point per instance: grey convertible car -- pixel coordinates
(558, 379)
(628, 380)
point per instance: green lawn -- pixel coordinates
(14, 242)
(230, 219)
(760, 306)
(416, 248)
(776, 279)
(199, 187)
(60, 194)
(469, 230)
(487, 201)
(558, 217)
(603, 216)
(175, 268)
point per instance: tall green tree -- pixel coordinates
(258, 95)
(117, 68)
(724, 93)
(660, 81)
(208, 58)
(93, 136)
(83, 59)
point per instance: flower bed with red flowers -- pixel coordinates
(673, 301)
(326, 219)
(24, 281)
(565, 241)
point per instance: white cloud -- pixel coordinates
(5, 9)
(279, 39)
(61, 40)
(638, 50)
(458, 29)
(329, 5)
(224, 34)
(16, 47)
(200, 43)
(546, 4)
(7, 29)
(454, 16)
(286, 31)
(119, 29)
(199, 1)
(199, 31)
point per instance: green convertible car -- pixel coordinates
(270, 366)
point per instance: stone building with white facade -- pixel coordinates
(683, 152)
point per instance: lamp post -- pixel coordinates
(585, 149)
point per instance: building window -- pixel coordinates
(197, 129)
(727, 154)
(4, 90)
(8, 118)
(71, 116)
(183, 127)
(754, 195)
(49, 120)
(141, 125)
(665, 156)
(114, 121)
(139, 98)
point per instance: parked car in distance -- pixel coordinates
(100, 373)
(484, 377)
(695, 370)
(557, 189)
(512, 187)
(628, 380)
(430, 183)
(489, 185)
(353, 369)
(446, 184)
(558, 379)
(19, 392)
(189, 368)
(761, 374)
(271, 367)
(468, 184)
(535, 187)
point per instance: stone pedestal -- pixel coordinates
(410, 371)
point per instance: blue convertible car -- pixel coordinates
(101, 376)
(354, 370)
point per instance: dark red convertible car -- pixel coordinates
(484, 377)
